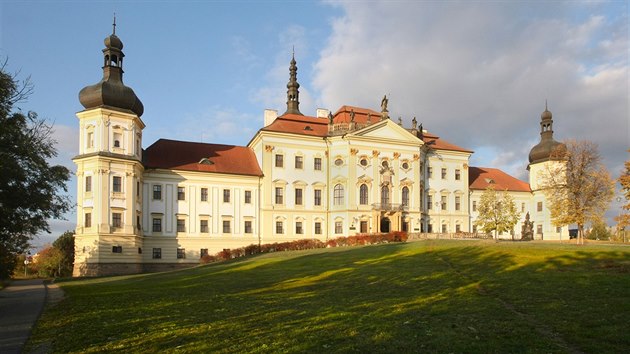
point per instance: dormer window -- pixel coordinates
(205, 161)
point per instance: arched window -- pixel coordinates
(405, 196)
(363, 194)
(384, 195)
(338, 194)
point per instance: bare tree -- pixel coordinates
(578, 186)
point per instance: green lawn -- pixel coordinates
(428, 296)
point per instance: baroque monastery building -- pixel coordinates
(333, 174)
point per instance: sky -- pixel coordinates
(476, 73)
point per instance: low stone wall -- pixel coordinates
(104, 269)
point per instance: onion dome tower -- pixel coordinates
(542, 151)
(110, 92)
(109, 234)
(293, 94)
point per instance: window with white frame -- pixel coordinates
(338, 197)
(363, 194)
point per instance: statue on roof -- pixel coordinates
(384, 102)
(400, 121)
(352, 116)
(414, 123)
(369, 118)
(330, 118)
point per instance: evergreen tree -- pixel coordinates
(30, 188)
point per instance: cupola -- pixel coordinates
(110, 92)
(542, 151)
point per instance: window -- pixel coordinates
(248, 197)
(137, 188)
(90, 140)
(226, 196)
(364, 227)
(88, 184)
(88, 220)
(385, 164)
(203, 252)
(317, 164)
(299, 162)
(539, 206)
(363, 194)
(443, 202)
(458, 200)
(204, 194)
(157, 192)
(363, 162)
(384, 195)
(157, 225)
(181, 193)
(443, 228)
(338, 194)
(181, 225)
(443, 173)
(139, 250)
(138, 223)
(298, 228)
(457, 228)
(430, 228)
(117, 139)
(227, 227)
(117, 184)
(539, 229)
(203, 226)
(429, 172)
(458, 175)
(318, 197)
(116, 249)
(181, 253)
(298, 196)
(405, 196)
(116, 219)
(157, 253)
(338, 162)
(279, 195)
(279, 227)
(279, 160)
(338, 227)
(318, 228)
(248, 227)
(474, 206)
(429, 202)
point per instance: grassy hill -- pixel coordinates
(429, 296)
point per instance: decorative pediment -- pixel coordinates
(339, 179)
(387, 129)
(279, 182)
(406, 182)
(299, 183)
(364, 179)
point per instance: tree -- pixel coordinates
(578, 186)
(623, 220)
(49, 262)
(65, 244)
(30, 188)
(497, 212)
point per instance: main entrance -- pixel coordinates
(385, 224)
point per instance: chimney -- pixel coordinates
(270, 116)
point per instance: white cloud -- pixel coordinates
(478, 74)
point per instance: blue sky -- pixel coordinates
(475, 73)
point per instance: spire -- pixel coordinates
(111, 91)
(293, 94)
(544, 150)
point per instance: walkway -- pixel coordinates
(20, 305)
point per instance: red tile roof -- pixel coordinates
(297, 124)
(360, 115)
(482, 177)
(435, 142)
(183, 155)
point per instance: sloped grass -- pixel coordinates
(429, 296)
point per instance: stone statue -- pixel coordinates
(400, 121)
(384, 102)
(352, 116)
(330, 118)
(527, 230)
(369, 118)
(414, 123)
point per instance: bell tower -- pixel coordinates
(109, 235)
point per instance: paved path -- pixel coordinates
(20, 306)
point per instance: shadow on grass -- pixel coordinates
(435, 296)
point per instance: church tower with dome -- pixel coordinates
(542, 158)
(109, 172)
